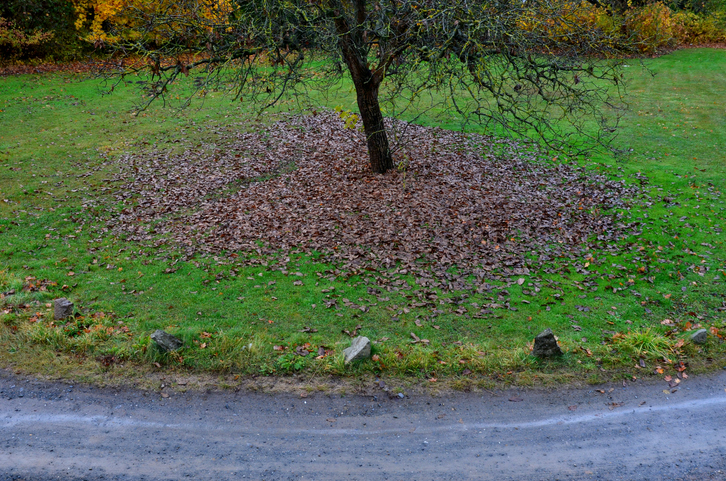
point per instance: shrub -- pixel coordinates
(56, 17)
(691, 28)
(650, 26)
(574, 25)
(701, 7)
(15, 43)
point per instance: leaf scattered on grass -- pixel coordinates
(417, 340)
(354, 332)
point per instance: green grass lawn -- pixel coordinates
(608, 307)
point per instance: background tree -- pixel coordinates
(530, 67)
(42, 29)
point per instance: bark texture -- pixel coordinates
(379, 151)
(366, 84)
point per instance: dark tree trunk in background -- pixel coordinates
(379, 151)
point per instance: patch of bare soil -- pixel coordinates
(304, 183)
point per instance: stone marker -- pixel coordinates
(545, 345)
(166, 341)
(700, 336)
(62, 308)
(360, 348)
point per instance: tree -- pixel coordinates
(529, 66)
(41, 28)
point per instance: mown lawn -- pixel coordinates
(622, 311)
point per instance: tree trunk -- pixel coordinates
(379, 151)
(353, 48)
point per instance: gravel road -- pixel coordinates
(61, 431)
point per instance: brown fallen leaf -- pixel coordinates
(516, 399)
(164, 395)
(314, 203)
(416, 339)
(354, 332)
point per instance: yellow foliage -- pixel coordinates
(126, 15)
(695, 29)
(572, 23)
(651, 26)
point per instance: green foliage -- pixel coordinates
(290, 362)
(700, 7)
(348, 117)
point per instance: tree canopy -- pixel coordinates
(527, 66)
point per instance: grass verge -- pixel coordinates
(623, 312)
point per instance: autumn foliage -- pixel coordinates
(14, 41)
(96, 17)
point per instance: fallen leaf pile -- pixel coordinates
(305, 183)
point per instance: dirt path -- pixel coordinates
(59, 431)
